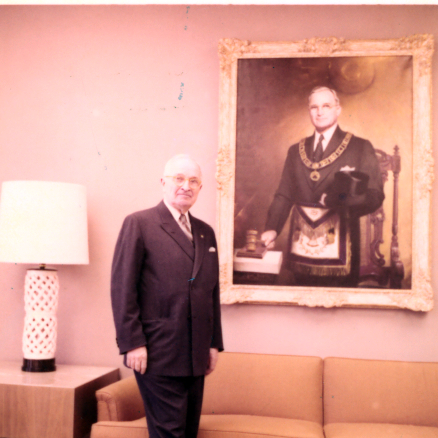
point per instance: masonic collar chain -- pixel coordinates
(315, 166)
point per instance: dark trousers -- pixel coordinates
(172, 404)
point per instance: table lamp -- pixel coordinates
(42, 223)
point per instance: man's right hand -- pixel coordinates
(137, 359)
(268, 238)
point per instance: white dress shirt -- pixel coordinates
(176, 214)
(328, 134)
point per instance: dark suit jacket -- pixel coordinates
(165, 293)
(296, 187)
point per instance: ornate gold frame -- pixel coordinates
(420, 296)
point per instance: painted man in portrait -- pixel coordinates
(329, 181)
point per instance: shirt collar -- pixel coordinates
(175, 213)
(328, 134)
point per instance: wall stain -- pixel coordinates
(181, 89)
(187, 15)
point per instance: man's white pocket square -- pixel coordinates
(347, 169)
(212, 249)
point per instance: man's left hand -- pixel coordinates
(214, 356)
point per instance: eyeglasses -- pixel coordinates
(179, 180)
(325, 107)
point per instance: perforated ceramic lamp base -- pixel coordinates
(41, 289)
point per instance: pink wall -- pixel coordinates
(103, 96)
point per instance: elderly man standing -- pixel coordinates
(165, 298)
(330, 179)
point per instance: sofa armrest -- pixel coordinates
(120, 401)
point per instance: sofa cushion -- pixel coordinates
(120, 429)
(377, 391)
(265, 385)
(248, 426)
(236, 426)
(363, 430)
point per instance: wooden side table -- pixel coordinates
(58, 404)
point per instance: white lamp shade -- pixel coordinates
(43, 222)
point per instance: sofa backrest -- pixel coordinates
(265, 385)
(373, 391)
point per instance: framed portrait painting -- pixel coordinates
(325, 171)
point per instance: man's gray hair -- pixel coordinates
(321, 88)
(179, 157)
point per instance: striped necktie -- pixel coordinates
(185, 227)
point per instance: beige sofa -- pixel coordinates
(380, 399)
(247, 395)
(257, 395)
